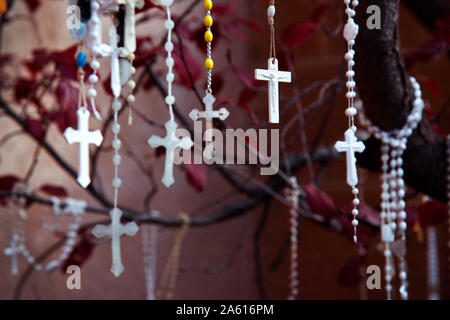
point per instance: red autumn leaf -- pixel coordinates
(67, 96)
(349, 274)
(318, 12)
(39, 60)
(432, 213)
(299, 33)
(145, 51)
(23, 88)
(319, 202)
(65, 62)
(35, 128)
(107, 85)
(33, 4)
(196, 71)
(80, 253)
(7, 182)
(196, 176)
(53, 190)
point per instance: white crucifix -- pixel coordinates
(209, 114)
(84, 137)
(13, 250)
(115, 230)
(130, 22)
(171, 142)
(274, 77)
(114, 52)
(350, 146)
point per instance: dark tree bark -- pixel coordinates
(384, 87)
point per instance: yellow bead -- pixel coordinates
(208, 36)
(209, 64)
(208, 21)
(207, 4)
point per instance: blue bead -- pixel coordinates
(81, 59)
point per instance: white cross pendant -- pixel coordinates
(170, 142)
(84, 137)
(115, 230)
(13, 250)
(350, 146)
(209, 114)
(130, 22)
(273, 76)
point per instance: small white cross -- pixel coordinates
(14, 249)
(209, 114)
(170, 142)
(130, 22)
(274, 77)
(84, 137)
(350, 146)
(115, 230)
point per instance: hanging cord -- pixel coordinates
(271, 21)
(170, 273)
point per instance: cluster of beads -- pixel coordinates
(292, 195)
(448, 200)
(150, 255)
(393, 212)
(433, 278)
(76, 209)
(116, 144)
(209, 64)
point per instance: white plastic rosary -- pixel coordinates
(351, 144)
(115, 230)
(393, 212)
(272, 74)
(209, 114)
(170, 142)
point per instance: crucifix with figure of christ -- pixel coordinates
(350, 146)
(170, 142)
(273, 76)
(84, 137)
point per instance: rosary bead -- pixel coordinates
(116, 183)
(350, 112)
(350, 74)
(169, 62)
(168, 46)
(133, 70)
(208, 21)
(117, 159)
(116, 144)
(355, 191)
(349, 55)
(403, 225)
(170, 100)
(401, 193)
(355, 3)
(350, 84)
(354, 222)
(131, 84)
(116, 105)
(402, 215)
(356, 201)
(169, 24)
(95, 64)
(131, 98)
(209, 64)
(387, 253)
(115, 128)
(207, 4)
(355, 212)
(351, 63)
(81, 59)
(388, 277)
(271, 11)
(351, 95)
(170, 77)
(347, 2)
(92, 93)
(208, 36)
(93, 78)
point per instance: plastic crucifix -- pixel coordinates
(350, 146)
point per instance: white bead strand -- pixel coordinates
(150, 257)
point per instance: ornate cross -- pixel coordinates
(115, 230)
(84, 137)
(350, 146)
(170, 142)
(14, 249)
(274, 77)
(209, 114)
(130, 22)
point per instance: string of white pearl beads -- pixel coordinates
(116, 144)
(350, 32)
(448, 202)
(24, 250)
(150, 257)
(292, 195)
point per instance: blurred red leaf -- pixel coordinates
(33, 4)
(432, 213)
(7, 182)
(23, 88)
(319, 202)
(192, 63)
(67, 96)
(40, 58)
(53, 190)
(35, 128)
(299, 33)
(65, 62)
(196, 176)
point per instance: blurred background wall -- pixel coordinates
(322, 253)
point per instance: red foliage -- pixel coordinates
(319, 202)
(53, 190)
(35, 128)
(432, 213)
(7, 182)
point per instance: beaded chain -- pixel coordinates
(76, 209)
(209, 64)
(448, 202)
(350, 32)
(170, 273)
(150, 256)
(393, 212)
(433, 278)
(292, 195)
